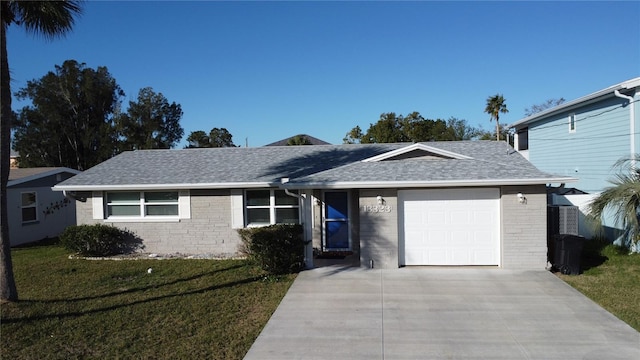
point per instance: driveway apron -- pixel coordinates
(440, 313)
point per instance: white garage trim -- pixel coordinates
(459, 226)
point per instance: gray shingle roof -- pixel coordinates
(320, 165)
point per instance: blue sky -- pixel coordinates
(269, 70)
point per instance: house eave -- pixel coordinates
(186, 186)
(55, 171)
(585, 100)
(425, 184)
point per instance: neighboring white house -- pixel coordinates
(35, 212)
(383, 205)
(584, 138)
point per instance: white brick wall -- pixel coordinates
(524, 227)
(207, 232)
(375, 234)
(379, 230)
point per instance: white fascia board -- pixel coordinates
(412, 147)
(142, 187)
(429, 184)
(42, 174)
(585, 100)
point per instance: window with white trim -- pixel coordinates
(572, 123)
(29, 206)
(142, 204)
(268, 207)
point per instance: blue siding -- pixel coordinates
(601, 138)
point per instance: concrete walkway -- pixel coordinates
(440, 313)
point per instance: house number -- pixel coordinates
(376, 208)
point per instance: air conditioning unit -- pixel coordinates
(562, 219)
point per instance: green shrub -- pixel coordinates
(279, 249)
(99, 240)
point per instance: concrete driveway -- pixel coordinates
(440, 313)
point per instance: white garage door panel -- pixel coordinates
(451, 227)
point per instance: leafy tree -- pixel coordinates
(489, 135)
(387, 130)
(354, 136)
(461, 130)
(49, 19)
(536, 108)
(496, 105)
(70, 122)
(298, 140)
(624, 199)
(198, 139)
(411, 128)
(150, 122)
(218, 137)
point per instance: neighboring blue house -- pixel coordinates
(584, 138)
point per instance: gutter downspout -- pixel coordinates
(632, 126)
(308, 248)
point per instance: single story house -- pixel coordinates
(35, 212)
(389, 205)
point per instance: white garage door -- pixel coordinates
(450, 226)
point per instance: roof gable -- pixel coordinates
(418, 150)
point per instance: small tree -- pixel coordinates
(624, 199)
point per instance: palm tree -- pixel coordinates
(623, 198)
(495, 106)
(49, 19)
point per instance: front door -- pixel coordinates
(336, 221)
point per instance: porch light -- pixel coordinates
(521, 198)
(380, 200)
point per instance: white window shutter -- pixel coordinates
(184, 204)
(98, 205)
(237, 209)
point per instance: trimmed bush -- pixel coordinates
(279, 249)
(99, 240)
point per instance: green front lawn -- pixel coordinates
(74, 308)
(611, 278)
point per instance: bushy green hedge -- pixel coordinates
(99, 240)
(279, 249)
